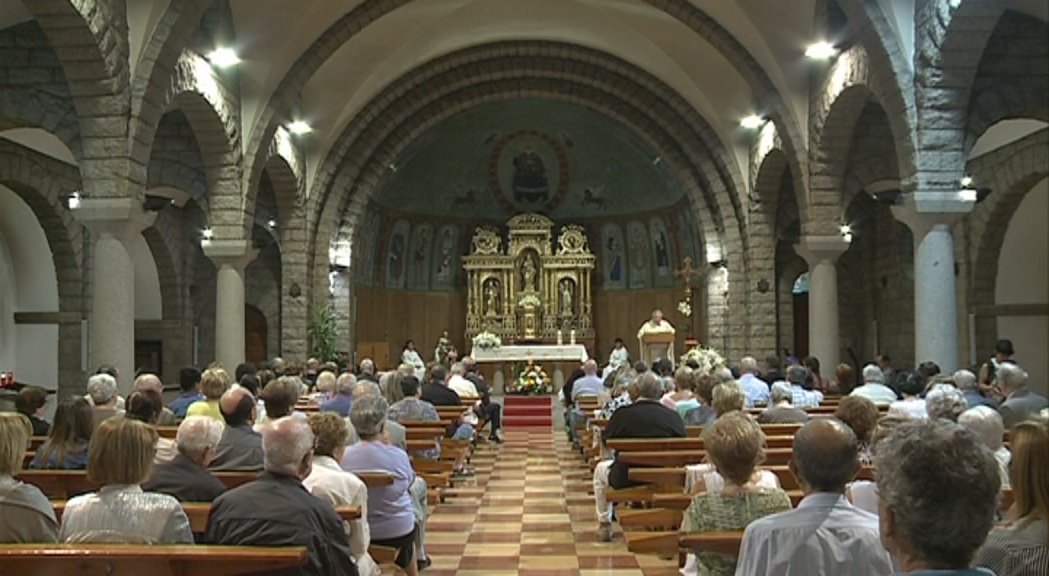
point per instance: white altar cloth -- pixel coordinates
(534, 352)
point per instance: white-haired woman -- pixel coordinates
(987, 424)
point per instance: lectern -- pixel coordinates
(657, 345)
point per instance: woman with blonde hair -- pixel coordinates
(329, 482)
(67, 443)
(26, 515)
(728, 397)
(735, 447)
(213, 384)
(120, 459)
(1020, 545)
(683, 398)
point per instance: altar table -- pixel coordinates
(539, 353)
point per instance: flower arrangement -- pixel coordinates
(487, 341)
(530, 379)
(707, 358)
(684, 308)
(529, 301)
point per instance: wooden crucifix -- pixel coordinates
(688, 275)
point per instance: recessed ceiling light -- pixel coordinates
(223, 58)
(821, 51)
(74, 200)
(207, 234)
(300, 127)
(967, 182)
(272, 223)
(752, 122)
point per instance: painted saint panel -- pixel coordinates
(365, 273)
(613, 257)
(640, 255)
(419, 257)
(662, 253)
(446, 258)
(397, 255)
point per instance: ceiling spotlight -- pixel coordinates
(300, 127)
(207, 234)
(967, 182)
(74, 200)
(752, 122)
(223, 58)
(657, 160)
(821, 51)
(845, 229)
(272, 223)
(392, 167)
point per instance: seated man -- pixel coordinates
(588, 385)
(152, 382)
(825, 534)
(937, 496)
(874, 388)
(186, 476)
(240, 447)
(437, 392)
(489, 411)
(803, 394)
(277, 510)
(458, 383)
(645, 418)
(189, 382)
(1020, 402)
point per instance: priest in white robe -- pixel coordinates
(650, 352)
(619, 356)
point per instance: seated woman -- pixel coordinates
(780, 410)
(66, 445)
(391, 518)
(728, 397)
(146, 406)
(682, 399)
(213, 384)
(324, 389)
(864, 493)
(26, 515)
(860, 414)
(120, 459)
(988, 426)
(30, 401)
(279, 398)
(329, 482)
(1020, 545)
(735, 446)
(705, 413)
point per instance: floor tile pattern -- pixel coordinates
(527, 513)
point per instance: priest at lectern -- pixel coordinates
(656, 339)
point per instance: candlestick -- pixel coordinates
(572, 336)
(560, 338)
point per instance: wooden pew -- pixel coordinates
(672, 458)
(167, 431)
(180, 560)
(669, 542)
(675, 476)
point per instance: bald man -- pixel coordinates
(152, 382)
(277, 510)
(240, 447)
(825, 534)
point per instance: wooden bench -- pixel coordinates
(669, 542)
(675, 476)
(673, 458)
(180, 560)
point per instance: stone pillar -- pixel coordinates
(113, 223)
(821, 253)
(930, 218)
(231, 257)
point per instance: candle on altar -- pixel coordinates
(572, 336)
(560, 338)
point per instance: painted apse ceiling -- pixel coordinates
(500, 159)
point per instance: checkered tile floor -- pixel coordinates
(527, 512)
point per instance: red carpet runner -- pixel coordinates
(527, 411)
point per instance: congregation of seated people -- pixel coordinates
(941, 447)
(246, 424)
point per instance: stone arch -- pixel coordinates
(293, 310)
(788, 267)
(1013, 76)
(210, 108)
(369, 11)
(44, 184)
(1010, 172)
(263, 285)
(175, 158)
(872, 156)
(772, 177)
(171, 304)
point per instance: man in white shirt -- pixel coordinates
(756, 389)
(825, 534)
(874, 388)
(803, 397)
(458, 383)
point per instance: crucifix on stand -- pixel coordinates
(688, 275)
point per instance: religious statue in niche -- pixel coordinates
(491, 297)
(530, 182)
(528, 271)
(566, 298)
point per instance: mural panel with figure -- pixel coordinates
(365, 251)
(640, 255)
(419, 257)
(662, 253)
(613, 259)
(397, 254)
(446, 258)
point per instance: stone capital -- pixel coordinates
(236, 254)
(818, 249)
(923, 212)
(121, 218)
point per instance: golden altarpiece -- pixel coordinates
(527, 290)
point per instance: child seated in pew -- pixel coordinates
(738, 493)
(26, 515)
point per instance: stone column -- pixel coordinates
(231, 257)
(822, 253)
(930, 218)
(113, 223)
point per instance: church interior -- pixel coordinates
(192, 182)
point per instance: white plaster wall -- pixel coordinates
(28, 284)
(42, 141)
(148, 304)
(1023, 278)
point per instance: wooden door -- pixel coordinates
(801, 325)
(255, 335)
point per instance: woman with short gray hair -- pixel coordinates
(391, 518)
(987, 424)
(938, 492)
(945, 401)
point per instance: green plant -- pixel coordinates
(324, 334)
